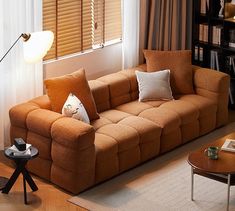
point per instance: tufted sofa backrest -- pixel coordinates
(108, 91)
(115, 89)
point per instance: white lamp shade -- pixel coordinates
(37, 46)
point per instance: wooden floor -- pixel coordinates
(48, 197)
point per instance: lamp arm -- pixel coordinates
(11, 47)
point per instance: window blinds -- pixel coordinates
(80, 24)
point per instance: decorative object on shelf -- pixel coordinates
(221, 9)
(35, 45)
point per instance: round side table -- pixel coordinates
(222, 170)
(21, 162)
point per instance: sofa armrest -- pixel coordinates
(69, 143)
(73, 154)
(215, 86)
(211, 80)
(72, 133)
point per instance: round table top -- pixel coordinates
(34, 153)
(225, 163)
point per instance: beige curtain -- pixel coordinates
(165, 25)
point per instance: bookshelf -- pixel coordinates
(213, 38)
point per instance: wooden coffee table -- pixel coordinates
(222, 170)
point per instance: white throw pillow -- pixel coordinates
(154, 85)
(74, 108)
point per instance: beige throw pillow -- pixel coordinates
(154, 86)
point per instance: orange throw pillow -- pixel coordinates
(179, 63)
(59, 88)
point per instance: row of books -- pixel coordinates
(204, 6)
(198, 53)
(231, 38)
(203, 32)
(216, 33)
(214, 64)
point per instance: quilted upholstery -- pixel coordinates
(75, 155)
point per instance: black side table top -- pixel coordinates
(34, 153)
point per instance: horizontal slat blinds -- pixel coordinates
(68, 27)
(113, 26)
(79, 24)
(107, 20)
(98, 21)
(87, 24)
(49, 23)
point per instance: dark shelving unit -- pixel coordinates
(201, 48)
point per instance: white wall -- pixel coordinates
(96, 63)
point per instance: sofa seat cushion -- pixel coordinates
(134, 107)
(204, 105)
(114, 115)
(167, 119)
(148, 131)
(105, 145)
(98, 123)
(155, 103)
(125, 136)
(186, 110)
(107, 162)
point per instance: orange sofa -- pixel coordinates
(75, 155)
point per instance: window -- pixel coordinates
(80, 25)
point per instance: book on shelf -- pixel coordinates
(231, 68)
(198, 53)
(216, 34)
(214, 62)
(231, 38)
(231, 59)
(203, 32)
(204, 6)
(231, 44)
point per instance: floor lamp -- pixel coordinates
(35, 47)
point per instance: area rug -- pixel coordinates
(161, 184)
